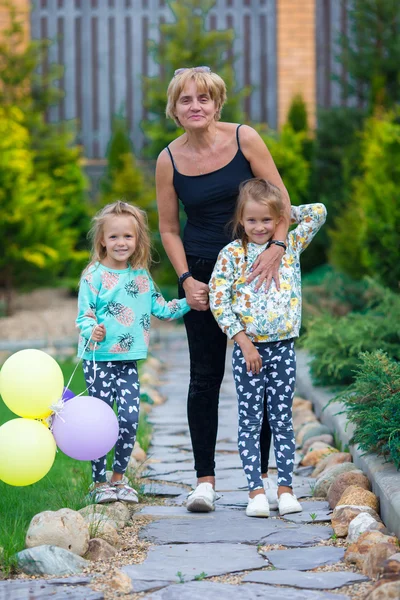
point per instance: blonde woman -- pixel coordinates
(203, 169)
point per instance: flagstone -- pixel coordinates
(305, 558)
(310, 580)
(192, 560)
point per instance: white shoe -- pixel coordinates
(258, 506)
(271, 491)
(202, 499)
(288, 503)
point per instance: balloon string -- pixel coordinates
(58, 406)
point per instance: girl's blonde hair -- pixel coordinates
(141, 258)
(261, 191)
(207, 83)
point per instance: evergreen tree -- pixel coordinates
(28, 80)
(187, 43)
(370, 52)
(35, 244)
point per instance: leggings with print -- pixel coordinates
(275, 382)
(109, 381)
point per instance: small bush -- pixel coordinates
(372, 405)
(336, 342)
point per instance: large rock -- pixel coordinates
(103, 529)
(357, 496)
(344, 515)
(325, 437)
(100, 550)
(325, 481)
(391, 567)
(50, 560)
(299, 402)
(117, 513)
(385, 590)
(316, 453)
(138, 453)
(302, 417)
(333, 459)
(316, 429)
(360, 524)
(65, 528)
(376, 557)
(343, 481)
(357, 552)
(303, 430)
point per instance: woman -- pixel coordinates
(203, 168)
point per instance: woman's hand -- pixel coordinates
(196, 294)
(266, 267)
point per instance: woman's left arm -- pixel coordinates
(266, 267)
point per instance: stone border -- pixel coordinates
(384, 477)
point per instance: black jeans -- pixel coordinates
(207, 349)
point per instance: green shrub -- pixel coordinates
(368, 232)
(336, 342)
(372, 405)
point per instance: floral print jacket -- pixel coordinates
(264, 316)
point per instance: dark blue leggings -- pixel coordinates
(116, 380)
(276, 382)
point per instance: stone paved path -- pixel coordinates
(189, 548)
(272, 557)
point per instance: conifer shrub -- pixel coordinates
(335, 343)
(372, 405)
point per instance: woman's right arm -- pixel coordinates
(168, 214)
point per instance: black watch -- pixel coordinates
(184, 276)
(277, 243)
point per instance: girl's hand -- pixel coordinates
(266, 267)
(201, 296)
(196, 293)
(99, 333)
(252, 358)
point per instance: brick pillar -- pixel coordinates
(296, 55)
(23, 7)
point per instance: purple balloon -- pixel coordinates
(67, 394)
(86, 428)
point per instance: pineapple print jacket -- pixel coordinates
(264, 316)
(121, 300)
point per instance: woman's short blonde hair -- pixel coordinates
(207, 83)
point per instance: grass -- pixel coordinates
(66, 484)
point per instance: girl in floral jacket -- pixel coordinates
(116, 298)
(263, 325)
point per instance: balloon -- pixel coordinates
(30, 382)
(67, 394)
(86, 428)
(27, 451)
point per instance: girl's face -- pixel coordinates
(258, 222)
(119, 240)
(195, 110)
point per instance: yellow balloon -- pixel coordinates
(30, 382)
(27, 451)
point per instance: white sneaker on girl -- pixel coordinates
(288, 504)
(271, 491)
(258, 506)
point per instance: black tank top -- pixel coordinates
(209, 202)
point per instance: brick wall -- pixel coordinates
(23, 7)
(296, 55)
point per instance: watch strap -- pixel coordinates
(184, 276)
(277, 243)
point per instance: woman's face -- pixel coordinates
(195, 110)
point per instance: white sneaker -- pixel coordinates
(271, 491)
(258, 506)
(202, 499)
(288, 503)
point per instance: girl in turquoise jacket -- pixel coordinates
(117, 297)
